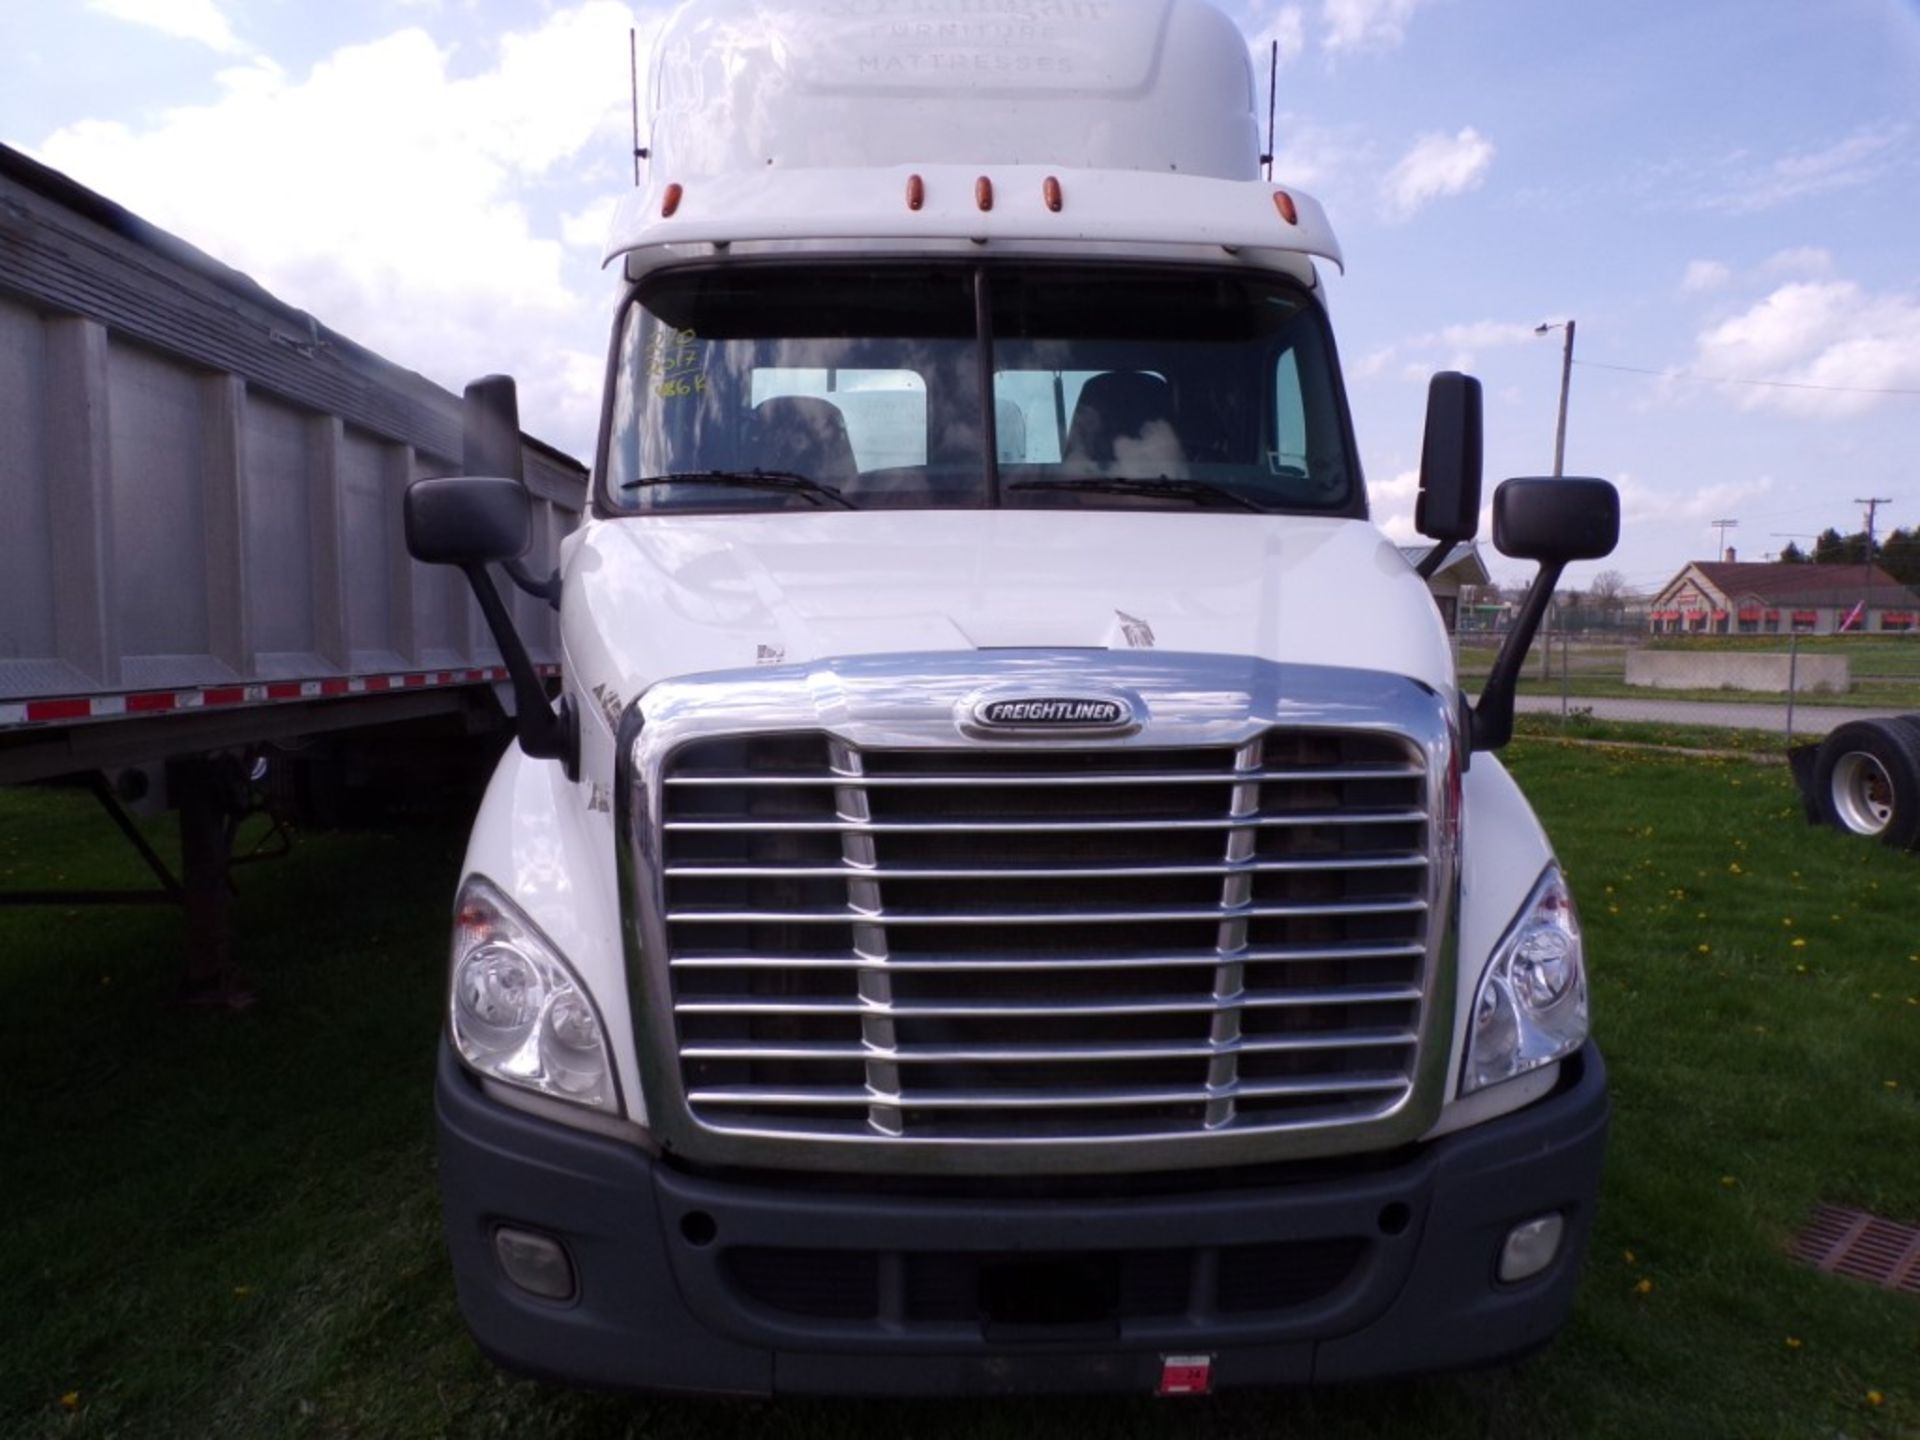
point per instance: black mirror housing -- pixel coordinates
(468, 519)
(1556, 520)
(1448, 507)
(490, 429)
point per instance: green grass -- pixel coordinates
(1584, 726)
(226, 1224)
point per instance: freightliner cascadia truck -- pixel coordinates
(1010, 894)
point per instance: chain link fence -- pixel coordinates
(1592, 672)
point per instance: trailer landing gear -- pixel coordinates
(214, 795)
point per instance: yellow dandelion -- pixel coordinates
(1644, 1287)
(1793, 1342)
(1734, 869)
(1787, 920)
(1799, 942)
(1874, 1397)
(1729, 1181)
(70, 1400)
(1891, 1084)
(1628, 1256)
(1705, 949)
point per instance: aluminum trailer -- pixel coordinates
(203, 552)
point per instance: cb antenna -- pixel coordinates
(1273, 84)
(633, 92)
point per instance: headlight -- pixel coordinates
(517, 1013)
(1532, 1005)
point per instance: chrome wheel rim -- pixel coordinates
(1862, 793)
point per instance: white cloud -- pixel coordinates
(1313, 156)
(1438, 165)
(1366, 24)
(1452, 347)
(1373, 363)
(200, 20)
(1643, 504)
(588, 228)
(1817, 333)
(1802, 260)
(1853, 160)
(384, 194)
(1392, 502)
(1703, 275)
(1267, 24)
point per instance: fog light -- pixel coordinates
(1531, 1248)
(536, 1263)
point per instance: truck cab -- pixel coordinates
(1011, 895)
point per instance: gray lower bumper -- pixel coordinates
(763, 1285)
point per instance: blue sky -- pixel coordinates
(1722, 190)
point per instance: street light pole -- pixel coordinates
(1566, 379)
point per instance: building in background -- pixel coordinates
(1744, 598)
(1463, 567)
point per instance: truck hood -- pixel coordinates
(648, 598)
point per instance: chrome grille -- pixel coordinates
(1028, 944)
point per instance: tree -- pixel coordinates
(1608, 591)
(1900, 556)
(1793, 555)
(1829, 549)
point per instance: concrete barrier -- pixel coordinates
(1738, 670)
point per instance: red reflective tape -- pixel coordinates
(333, 687)
(226, 695)
(413, 681)
(58, 710)
(284, 690)
(379, 682)
(148, 703)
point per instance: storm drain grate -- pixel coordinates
(1840, 1241)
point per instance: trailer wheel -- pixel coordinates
(1866, 780)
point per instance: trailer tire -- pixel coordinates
(1866, 780)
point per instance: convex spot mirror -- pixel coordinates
(1448, 507)
(1556, 520)
(468, 519)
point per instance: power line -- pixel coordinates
(1729, 380)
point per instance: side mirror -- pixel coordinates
(1448, 508)
(475, 520)
(490, 429)
(1556, 520)
(468, 520)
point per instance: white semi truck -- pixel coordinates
(1012, 895)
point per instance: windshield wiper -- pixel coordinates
(1198, 491)
(748, 479)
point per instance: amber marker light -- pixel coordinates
(1283, 202)
(670, 201)
(983, 193)
(1051, 190)
(916, 192)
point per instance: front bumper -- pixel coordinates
(774, 1285)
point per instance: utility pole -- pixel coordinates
(1720, 545)
(1566, 379)
(1873, 504)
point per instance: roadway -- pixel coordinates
(1808, 720)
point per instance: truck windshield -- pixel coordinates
(758, 388)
